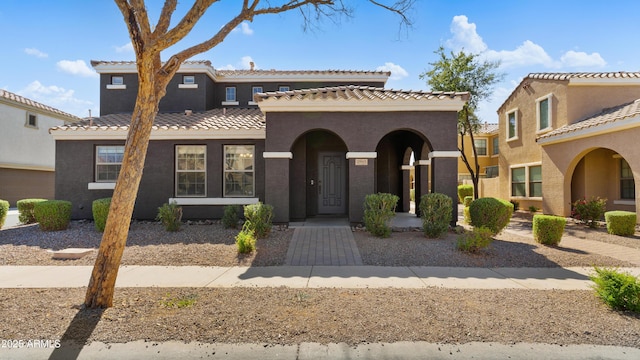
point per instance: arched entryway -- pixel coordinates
(318, 175)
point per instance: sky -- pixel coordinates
(47, 46)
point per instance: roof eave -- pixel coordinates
(607, 128)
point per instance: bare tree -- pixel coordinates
(154, 75)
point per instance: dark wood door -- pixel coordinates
(332, 183)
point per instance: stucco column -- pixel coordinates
(276, 184)
(361, 182)
(445, 177)
(421, 180)
(406, 191)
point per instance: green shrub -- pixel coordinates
(516, 205)
(620, 291)
(435, 211)
(25, 210)
(258, 218)
(231, 216)
(533, 209)
(53, 215)
(246, 240)
(378, 210)
(548, 229)
(463, 191)
(4, 210)
(621, 222)
(412, 194)
(100, 210)
(170, 215)
(475, 240)
(491, 213)
(467, 200)
(467, 215)
(589, 212)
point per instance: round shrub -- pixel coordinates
(492, 213)
(25, 210)
(4, 209)
(435, 211)
(231, 216)
(475, 240)
(621, 223)
(467, 200)
(378, 210)
(464, 190)
(53, 215)
(100, 209)
(548, 229)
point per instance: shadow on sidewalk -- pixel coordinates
(77, 334)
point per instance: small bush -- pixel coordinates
(246, 240)
(620, 291)
(412, 194)
(25, 210)
(463, 191)
(100, 210)
(467, 215)
(476, 240)
(258, 219)
(170, 215)
(53, 215)
(467, 200)
(589, 211)
(4, 210)
(378, 210)
(491, 213)
(621, 223)
(231, 216)
(548, 229)
(516, 205)
(435, 211)
(533, 209)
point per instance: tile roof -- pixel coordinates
(216, 119)
(298, 72)
(606, 116)
(584, 75)
(133, 63)
(4, 94)
(487, 128)
(359, 93)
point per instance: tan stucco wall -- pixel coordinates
(588, 100)
(483, 161)
(597, 169)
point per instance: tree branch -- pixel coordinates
(165, 17)
(132, 24)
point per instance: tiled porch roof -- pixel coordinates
(584, 75)
(354, 92)
(608, 116)
(6, 95)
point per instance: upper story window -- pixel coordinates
(191, 170)
(31, 121)
(512, 125)
(627, 185)
(481, 146)
(117, 83)
(238, 170)
(230, 96)
(255, 90)
(108, 162)
(495, 148)
(188, 79)
(543, 113)
(283, 88)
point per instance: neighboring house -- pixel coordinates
(27, 151)
(308, 143)
(568, 136)
(486, 140)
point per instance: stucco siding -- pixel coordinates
(588, 100)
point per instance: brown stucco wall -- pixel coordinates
(18, 184)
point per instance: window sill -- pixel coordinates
(102, 185)
(513, 139)
(116, 87)
(543, 131)
(230, 103)
(624, 202)
(214, 201)
(187, 86)
(252, 103)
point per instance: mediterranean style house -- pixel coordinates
(309, 143)
(27, 152)
(568, 136)
(487, 146)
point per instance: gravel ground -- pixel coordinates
(290, 316)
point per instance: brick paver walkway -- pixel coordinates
(317, 245)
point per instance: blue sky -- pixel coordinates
(47, 46)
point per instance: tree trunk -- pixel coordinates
(103, 278)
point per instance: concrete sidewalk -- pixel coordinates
(415, 277)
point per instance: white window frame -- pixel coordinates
(284, 88)
(178, 171)
(228, 100)
(228, 171)
(507, 123)
(486, 146)
(549, 126)
(117, 83)
(625, 178)
(27, 122)
(527, 181)
(495, 141)
(98, 163)
(255, 90)
(188, 82)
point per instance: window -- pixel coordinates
(481, 146)
(117, 80)
(191, 173)
(238, 170)
(495, 149)
(32, 120)
(535, 181)
(518, 182)
(188, 79)
(627, 185)
(543, 113)
(108, 162)
(283, 88)
(512, 125)
(230, 93)
(526, 181)
(255, 90)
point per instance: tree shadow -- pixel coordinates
(77, 334)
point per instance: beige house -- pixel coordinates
(567, 136)
(487, 146)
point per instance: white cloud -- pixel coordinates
(35, 52)
(243, 64)
(57, 97)
(527, 54)
(244, 28)
(77, 67)
(126, 48)
(465, 36)
(581, 59)
(397, 72)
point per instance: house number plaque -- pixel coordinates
(362, 162)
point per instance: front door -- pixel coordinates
(332, 183)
